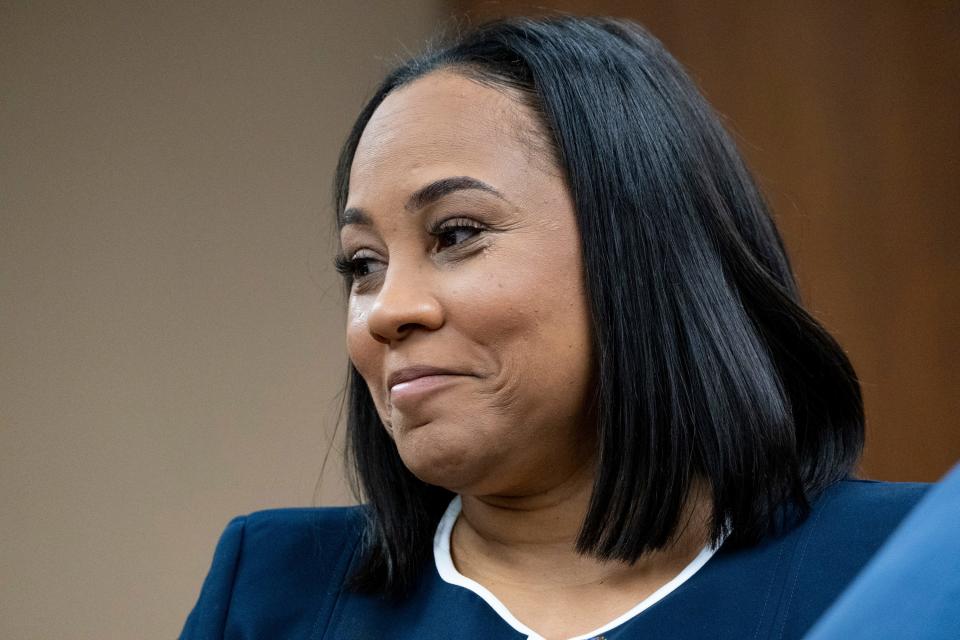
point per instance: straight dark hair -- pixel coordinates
(708, 366)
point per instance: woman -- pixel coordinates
(584, 398)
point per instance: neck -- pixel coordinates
(523, 539)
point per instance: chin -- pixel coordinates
(438, 459)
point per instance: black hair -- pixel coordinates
(708, 367)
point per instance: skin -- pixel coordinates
(495, 294)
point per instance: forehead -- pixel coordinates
(443, 124)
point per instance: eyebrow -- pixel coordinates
(425, 196)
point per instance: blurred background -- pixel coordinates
(171, 349)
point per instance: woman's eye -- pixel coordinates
(456, 232)
(363, 263)
(358, 266)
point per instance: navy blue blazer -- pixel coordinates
(279, 574)
(911, 587)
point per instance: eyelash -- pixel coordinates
(351, 268)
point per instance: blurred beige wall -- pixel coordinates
(170, 326)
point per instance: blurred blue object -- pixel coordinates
(911, 587)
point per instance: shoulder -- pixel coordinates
(917, 570)
(863, 512)
(779, 587)
(847, 525)
(296, 549)
(876, 498)
(873, 493)
(275, 571)
(311, 531)
(292, 519)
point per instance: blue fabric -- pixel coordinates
(911, 588)
(278, 574)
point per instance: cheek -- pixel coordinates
(364, 352)
(535, 317)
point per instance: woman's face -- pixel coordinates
(461, 235)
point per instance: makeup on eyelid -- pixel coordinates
(350, 267)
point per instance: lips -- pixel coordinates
(412, 373)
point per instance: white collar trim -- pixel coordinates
(449, 573)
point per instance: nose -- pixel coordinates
(403, 305)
